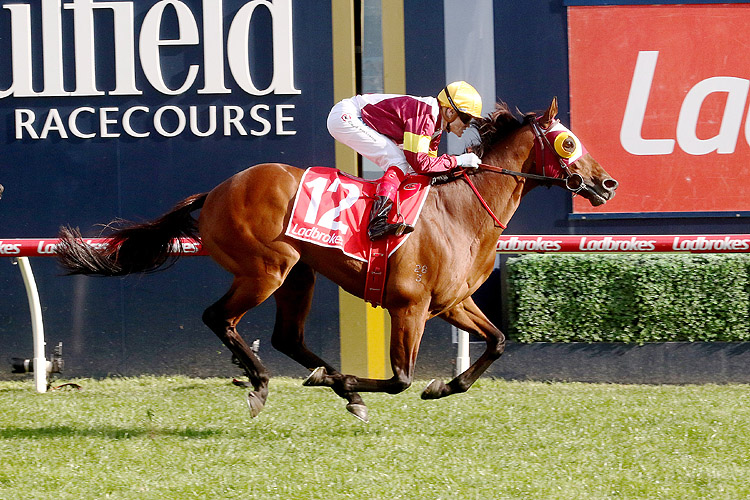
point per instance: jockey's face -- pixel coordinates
(454, 122)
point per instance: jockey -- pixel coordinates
(401, 134)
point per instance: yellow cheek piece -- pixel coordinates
(565, 145)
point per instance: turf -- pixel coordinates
(179, 438)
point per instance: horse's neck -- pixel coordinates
(503, 193)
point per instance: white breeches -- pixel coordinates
(346, 126)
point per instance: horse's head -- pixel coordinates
(559, 154)
(544, 149)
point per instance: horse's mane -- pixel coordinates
(495, 127)
(492, 128)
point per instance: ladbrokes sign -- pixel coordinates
(661, 94)
(217, 43)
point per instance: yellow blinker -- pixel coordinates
(565, 145)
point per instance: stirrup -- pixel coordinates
(378, 228)
(403, 229)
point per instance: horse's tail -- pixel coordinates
(137, 248)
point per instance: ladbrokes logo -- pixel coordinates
(539, 244)
(9, 248)
(724, 142)
(140, 121)
(610, 244)
(708, 244)
(313, 233)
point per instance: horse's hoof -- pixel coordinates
(255, 404)
(241, 383)
(316, 378)
(359, 411)
(434, 389)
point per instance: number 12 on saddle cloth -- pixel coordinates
(332, 209)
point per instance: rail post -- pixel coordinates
(463, 358)
(37, 325)
(20, 249)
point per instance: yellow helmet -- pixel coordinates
(462, 97)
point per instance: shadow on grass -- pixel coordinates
(259, 435)
(107, 432)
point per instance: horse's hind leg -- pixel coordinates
(222, 318)
(293, 301)
(469, 317)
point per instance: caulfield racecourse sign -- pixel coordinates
(140, 121)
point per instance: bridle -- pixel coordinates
(547, 158)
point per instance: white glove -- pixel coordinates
(468, 160)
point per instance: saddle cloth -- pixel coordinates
(332, 209)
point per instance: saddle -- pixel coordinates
(331, 209)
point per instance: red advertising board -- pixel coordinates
(659, 95)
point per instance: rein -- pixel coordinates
(505, 171)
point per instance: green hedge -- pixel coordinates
(629, 298)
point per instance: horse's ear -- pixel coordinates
(550, 114)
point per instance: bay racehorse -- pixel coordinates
(242, 227)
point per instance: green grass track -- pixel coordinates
(181, 438)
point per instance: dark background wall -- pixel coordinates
(151, 324)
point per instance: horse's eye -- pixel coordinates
(565, 145)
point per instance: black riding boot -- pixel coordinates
(379, 226)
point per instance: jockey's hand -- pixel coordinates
(468, 160)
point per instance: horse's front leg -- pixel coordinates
(469, 317)
(407, 327)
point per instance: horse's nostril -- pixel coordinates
(610, 184)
